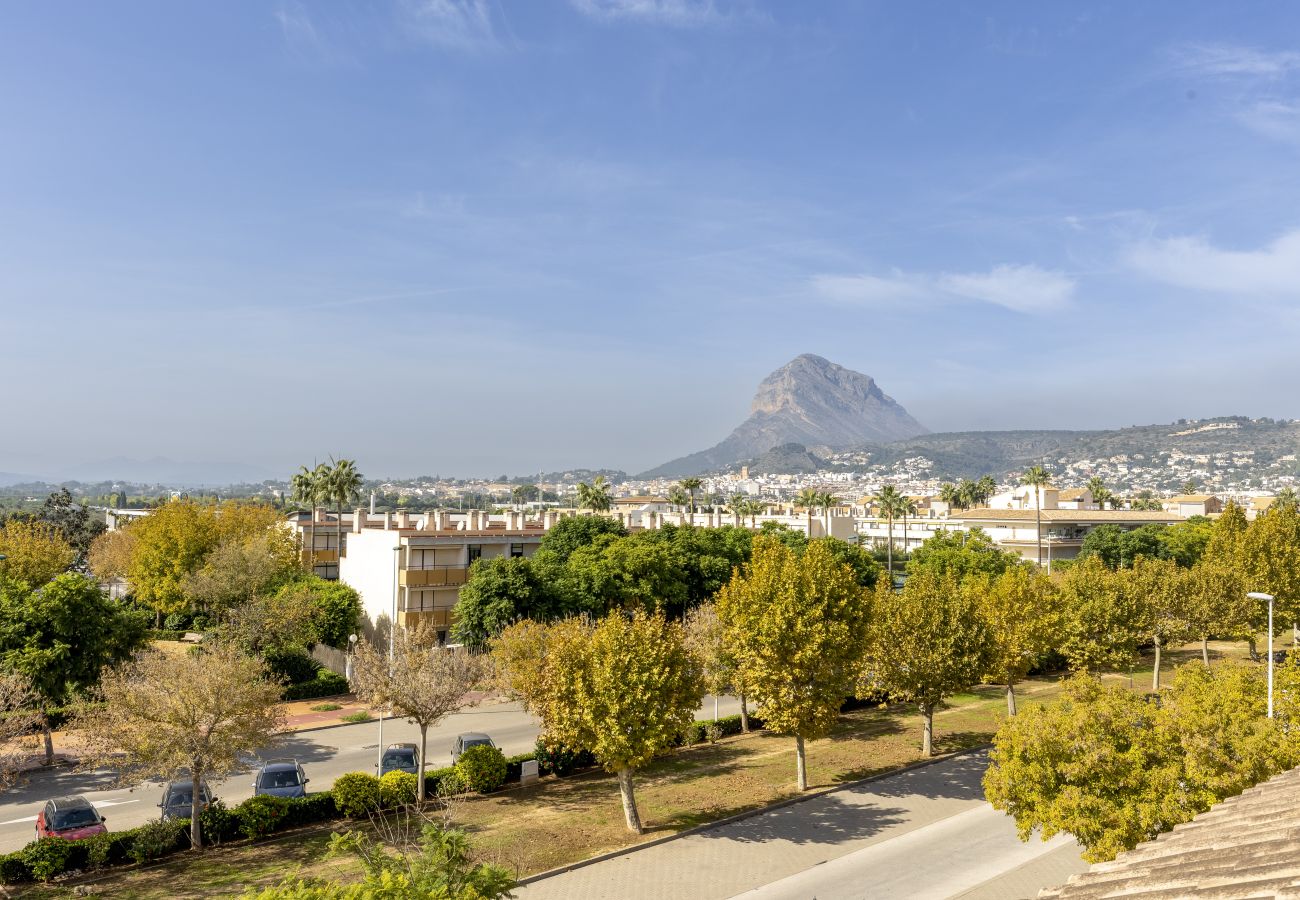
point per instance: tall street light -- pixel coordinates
(392, 635)
(1256, 595)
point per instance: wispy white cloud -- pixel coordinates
(1276, 119)
(1232, 59)
(1021, 288)
(458, 24)
(681, 13)
(1193, 262)
(304, 36)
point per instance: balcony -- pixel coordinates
(320, 557)
(433, 576)
(437, 618)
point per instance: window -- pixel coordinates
(516, 550)
(472, 553)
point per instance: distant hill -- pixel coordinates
(809, 401)
(160, 470)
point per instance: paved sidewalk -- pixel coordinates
(923, 833)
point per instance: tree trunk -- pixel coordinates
(629, 800)
(424, 742)
(1038, 526)
(1011, 699)
(800, 764)
(1205, 650)
(157, 619)
(715, 707)
(1254, 651)
(48, 735)
(744, 715)
(196, 832)
(927, 732)
(889, 552)
(338, 542)
(1155, 673)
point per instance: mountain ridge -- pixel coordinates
(810, 401)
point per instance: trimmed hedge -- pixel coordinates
(325, 684)
(356, 794)
(482, 768)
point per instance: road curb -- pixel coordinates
(749, 814)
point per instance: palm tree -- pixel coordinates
(1101, 495)
(594, 496)
(950, 494)
(1145, 500)
(889, 500)
(691, 485)
(827, 500)
(343, 486)
(753, 509)
(678, 497)
(985, 489)
(308, 486)
(1038, 478)
(907, 508)
(737, 503)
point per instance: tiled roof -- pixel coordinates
(1073, 493)
(1190, 498)
(1246, 846)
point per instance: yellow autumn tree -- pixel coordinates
(797, 624)
(622, 689)
(33, 552)
(1021, 610)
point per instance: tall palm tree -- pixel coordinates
(984, 489)
(889, 500)
(594, 496)
(950, 494)
(737, 503)
(1038, 478)
(827, 500)
(906, 508)
(678, 497)
(343, 486)
(810, 499)
(752, 509)
(691, 485)
(308, 486)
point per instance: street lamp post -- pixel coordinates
(392, 635)
(352, 648)
(1256, 595)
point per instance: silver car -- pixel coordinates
(469, 739)
(280, 778)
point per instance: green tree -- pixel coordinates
(1020, 608)
(173, 717)
(309, 487)
(342, 487)
(1101, 495)
(60, 636)
(1269, 555)
(1115, 769)
(928, 641)
(1104, 623)
(567, 535)
(690, 486)
(963, 553)
(240, 570)
(171, 543)
(336, 607)
(706, 637)
(627, 574)
(1161, 586)
(951, 495)
(1038, 478)
(595, 496)
(622, 689)
(1185, 542)
(889, 504)
(798, 625)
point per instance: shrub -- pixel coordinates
(397, 788)
(325, 684)
(108, 849)
(554, 759)
(318, 807)
(14, 868)
(218, 823)
(259, 816)
(692, 733)
(164, 634)
(357, 717)
(356, 794)
(434, 779)
(712, 732)
(515, 765)
(178, 621)
(731, 724)
(482, 768)
(50, 856)
(294, 666)
(450, 784)
(326, 707)
(157, 838)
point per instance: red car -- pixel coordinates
(69, 818)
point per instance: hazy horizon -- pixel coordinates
(472, 237)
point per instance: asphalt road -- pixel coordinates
(925, 833)
(325, 754)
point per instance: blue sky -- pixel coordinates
(475, 236)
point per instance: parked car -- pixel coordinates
(177, 798)
(71, 818)
(465, 741)
(280, 778)
(400, 758)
